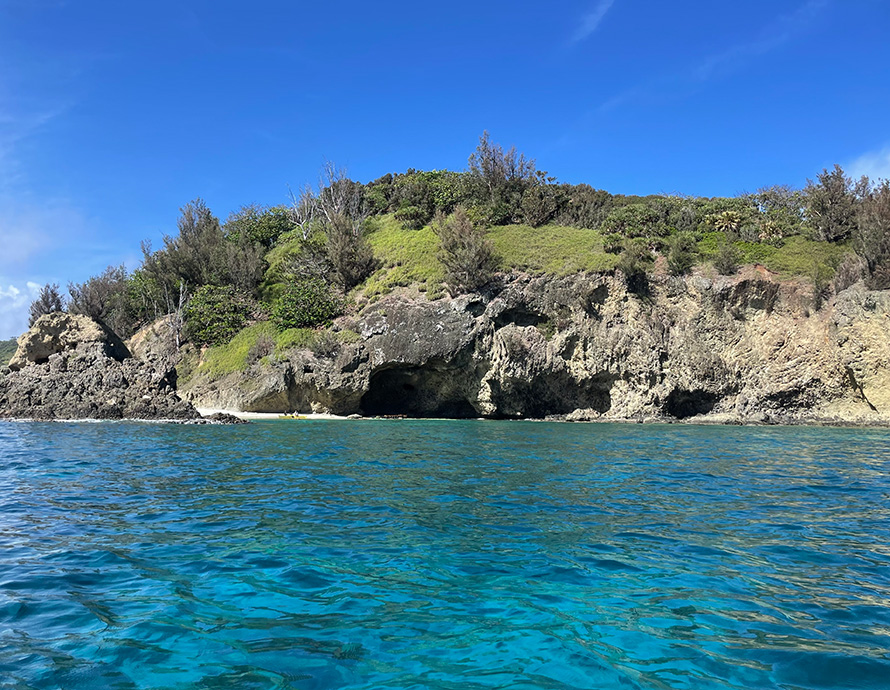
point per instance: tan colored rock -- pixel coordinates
(57, 332)
(747, 348)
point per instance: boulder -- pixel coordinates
(58, 332)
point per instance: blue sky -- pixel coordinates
(114, 114)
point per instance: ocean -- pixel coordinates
(443, 554)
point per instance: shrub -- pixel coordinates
(681, 257)
(850, 271)
(48, 301)
(325, 345)
(821, 278)
(215, 314)
(872, 235)
(263, 347)
(413, 217)
(348, 250)
(465, 252)
(727, 259)
(539, 204)
(306, 303)
(633, 262)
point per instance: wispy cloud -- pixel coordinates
(778, 32)
(591, 21)
(875, 164)
(15, 302)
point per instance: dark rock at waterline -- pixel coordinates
(70, 367)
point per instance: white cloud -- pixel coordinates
(875, 164)
(31, 230)
(591, 20)
(14, 304)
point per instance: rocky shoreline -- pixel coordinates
(68, 367)
(750, 349)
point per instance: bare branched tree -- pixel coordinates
(303, 209)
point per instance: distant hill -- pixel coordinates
(7, 350)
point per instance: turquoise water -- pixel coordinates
(430, 554)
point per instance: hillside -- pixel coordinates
(7, 350)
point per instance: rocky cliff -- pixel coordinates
(747, 348)
(70, 367)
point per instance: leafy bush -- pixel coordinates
(258, 224)
(215, 314)
(613, 243)
(306, 303)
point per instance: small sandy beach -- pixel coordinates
(206, 411)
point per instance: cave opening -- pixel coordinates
(416, 392)
(683, 404)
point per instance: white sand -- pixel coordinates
(205, 411)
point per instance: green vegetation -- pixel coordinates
(303, 262)
(262, 340)
(305, 303)
(215, 313)
(554, 249)
(7, 350)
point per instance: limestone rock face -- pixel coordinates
(58, 332)
(70, 367)
(583, 347)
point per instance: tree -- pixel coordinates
(871, 238)
(105, 298)
(303, 210)
(343, 217)
(468, 257)
(831, 205)
(48, 301)
(502, 177)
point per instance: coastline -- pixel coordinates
(207, 411)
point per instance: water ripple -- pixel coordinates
(429, 554)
